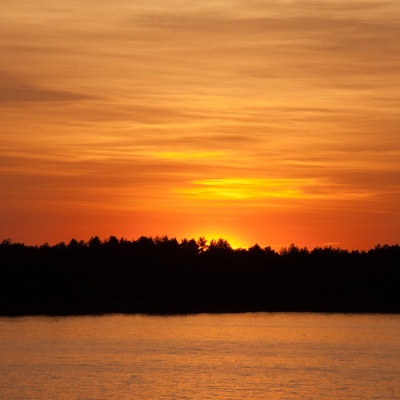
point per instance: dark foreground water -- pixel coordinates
(239, 356)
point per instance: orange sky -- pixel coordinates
(258, 121)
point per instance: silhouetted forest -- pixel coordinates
(165, 276)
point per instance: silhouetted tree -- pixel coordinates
(163, 275)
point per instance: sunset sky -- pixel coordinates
(268, 121)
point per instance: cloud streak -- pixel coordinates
(14, 90)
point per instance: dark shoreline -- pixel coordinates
(160, 276)
(183, 314)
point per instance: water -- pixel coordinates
(243, 356)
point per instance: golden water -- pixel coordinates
(243, 356)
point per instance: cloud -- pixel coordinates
(16, 90)
(245, 189)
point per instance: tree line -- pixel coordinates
(162, 275)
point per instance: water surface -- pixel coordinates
(238, 356)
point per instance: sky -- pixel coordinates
(259, 121)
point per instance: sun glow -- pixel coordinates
(233, 239)
(249, 188)
(187, 155)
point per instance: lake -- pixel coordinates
(228, 356)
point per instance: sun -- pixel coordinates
(233, 239)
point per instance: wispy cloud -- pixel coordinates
(264, 189)
(16, 90)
